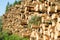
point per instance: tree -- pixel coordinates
(19, 2)
(15, 3)
(7, 6)
(10, 5)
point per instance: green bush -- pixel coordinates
(6, 36)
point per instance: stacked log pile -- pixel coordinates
(16, 19)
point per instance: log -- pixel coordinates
(35, 26)
(58, 8)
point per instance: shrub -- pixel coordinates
(6, 36)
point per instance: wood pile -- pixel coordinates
(12, 20)
(16, 19)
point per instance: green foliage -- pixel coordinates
(36, 20)
(3, 35)
(6, 36)
(16, 2)
(0, 23)
(7, 6)
(19, 2)
(10, 5)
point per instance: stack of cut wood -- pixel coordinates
(16, 19)
(12, 20)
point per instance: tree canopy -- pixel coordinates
(10, 5)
